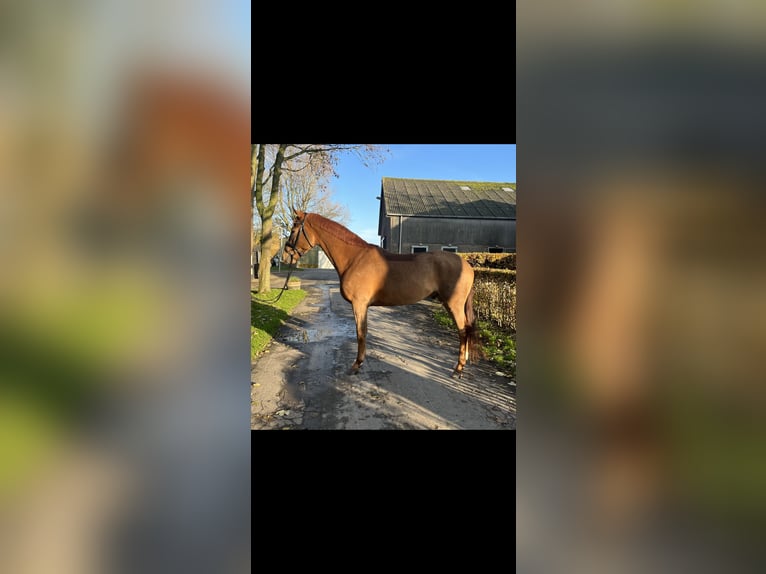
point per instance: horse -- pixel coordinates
(370, 275)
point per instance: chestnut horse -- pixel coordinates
(371, 276)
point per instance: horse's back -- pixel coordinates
(399, 257)
(442, 262)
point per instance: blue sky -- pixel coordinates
(357, 186)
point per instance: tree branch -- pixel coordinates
(313, 150)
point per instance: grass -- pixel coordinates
(499, 346)
(266, 318)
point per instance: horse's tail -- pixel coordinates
(472, 342)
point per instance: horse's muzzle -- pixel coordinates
(289, 256)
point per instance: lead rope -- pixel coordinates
(281, 291)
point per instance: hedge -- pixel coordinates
(495, 297)
(490, 260)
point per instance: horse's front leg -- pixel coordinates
(360, 315)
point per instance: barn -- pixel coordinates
(441, 215)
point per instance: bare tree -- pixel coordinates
(321, 159)
(304, 190)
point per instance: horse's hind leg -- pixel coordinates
(360, 316)
(457, 311)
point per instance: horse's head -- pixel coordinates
(298, 242)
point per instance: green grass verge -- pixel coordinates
(499, 347)
(267, 318)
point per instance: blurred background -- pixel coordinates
(124, 393)
(641, 286)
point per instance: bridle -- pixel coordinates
(293, 245)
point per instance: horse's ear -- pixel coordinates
(299, 215)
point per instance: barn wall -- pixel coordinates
(466, 234)
(315, 258)
(385, 234)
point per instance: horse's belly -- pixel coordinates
(401, 295)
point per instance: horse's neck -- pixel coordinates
(340, 253)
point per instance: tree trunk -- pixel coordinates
(264, 266)
(253, 170)
(267, 213)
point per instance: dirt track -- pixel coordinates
(303, 381)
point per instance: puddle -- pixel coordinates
(320, 334)
(325, 327)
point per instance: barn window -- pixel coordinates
(449, 248)
(495, 250)
(419, 248)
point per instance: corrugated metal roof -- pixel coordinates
(444, 198)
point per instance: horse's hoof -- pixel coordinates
(355, 369)
(457, 374)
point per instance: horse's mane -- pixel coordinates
(335, 229)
